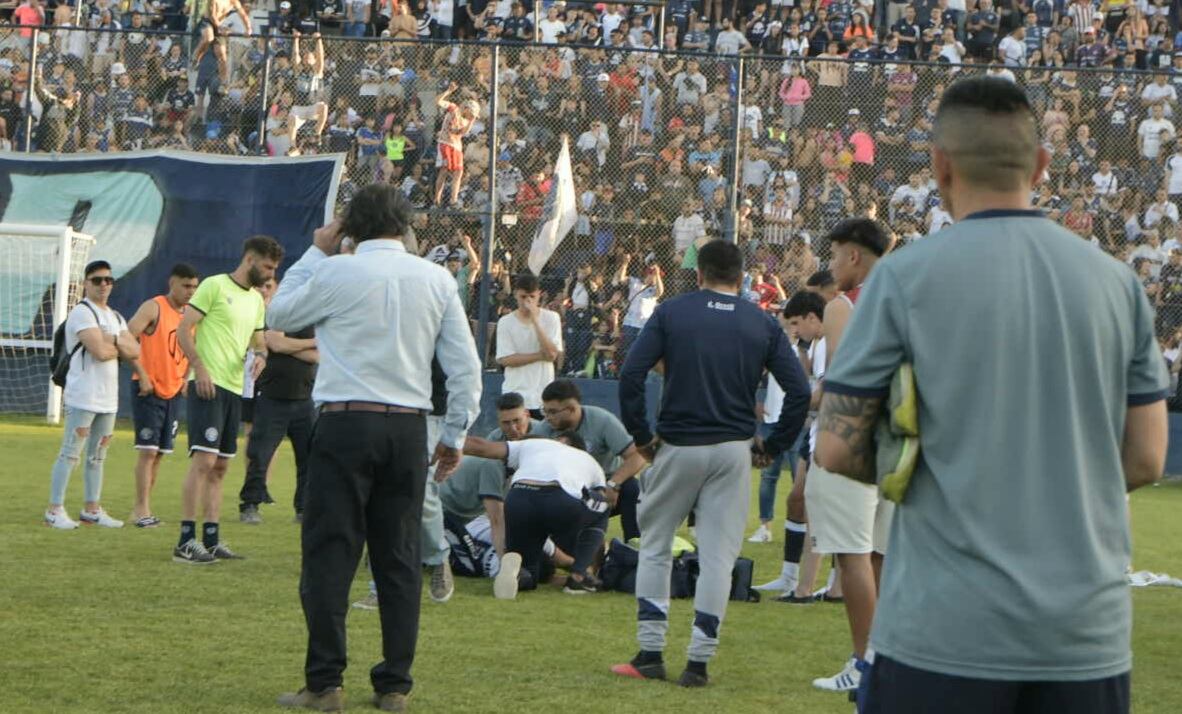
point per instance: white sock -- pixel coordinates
(832, 578)
(789, 571)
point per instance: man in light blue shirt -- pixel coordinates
(381, 316)
(1040, 384)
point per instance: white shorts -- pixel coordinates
(846, 517)
(303, 112)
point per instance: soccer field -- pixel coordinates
(103, 621)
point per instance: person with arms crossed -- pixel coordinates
(222, 321)
(849, 520)
(1080, 409)
(96, 338)
(159, 381)
(715, 347)
(529, 343)
(381, 316)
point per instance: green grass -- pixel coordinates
(102, 621)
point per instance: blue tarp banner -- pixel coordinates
(150, 210)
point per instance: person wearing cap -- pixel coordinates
(1092, 52)
(210, 28)
(96, 338)
(458, 121)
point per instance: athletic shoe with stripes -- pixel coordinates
(846, 680)
(222, 551)
(99, 518)
(192, 552)
(60, 521)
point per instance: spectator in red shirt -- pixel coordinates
(532, 195)
(30, 13)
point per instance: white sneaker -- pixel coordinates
(781, 583)
(60, 521)
(505, 584)
(99, 519)
(369, 603)
(761, 535)
(846, 680)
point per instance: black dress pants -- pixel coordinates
(366, 477)
(275, 419)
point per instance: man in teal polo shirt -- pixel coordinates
(1040, 384)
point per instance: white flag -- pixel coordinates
(558, 216)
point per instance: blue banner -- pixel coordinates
(150, 210)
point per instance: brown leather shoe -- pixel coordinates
(391, 702)
(330, 700)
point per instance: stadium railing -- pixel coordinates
(770, 151)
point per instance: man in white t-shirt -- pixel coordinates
(556, 492)
(96, 338)
(1012, 48)
(1159, 209)
(687, 228)
(1105, 180)
(1174, 173)
(1153, 130)
(529, 342)
(643, 295)
(551, 27)
(1160, 93)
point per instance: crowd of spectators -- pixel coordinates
(835, 118)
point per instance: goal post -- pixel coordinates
(40, 281)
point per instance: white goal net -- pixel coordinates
(40, 280)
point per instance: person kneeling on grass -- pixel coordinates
(556, 493)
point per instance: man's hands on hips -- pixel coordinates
(446, 459)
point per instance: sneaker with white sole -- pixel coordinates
(192, 552)
(505, 584)
(761, 535)
(369, 603)
(60, 521)
(846, 680)
(442, 585)
(99, 518)
(222, 551)
(780, 584)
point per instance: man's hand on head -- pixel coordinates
(328, 238)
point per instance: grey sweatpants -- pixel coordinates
(715, 482)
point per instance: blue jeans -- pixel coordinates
(771, 474)
(83, 428)
(354, 29)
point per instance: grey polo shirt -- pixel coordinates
(604, 434)
(1008, 553)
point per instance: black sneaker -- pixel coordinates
(193, 553)
(640, 670)
(693, 679)
(794, 600)
(826, 597)
(221, 551)
(589, 584)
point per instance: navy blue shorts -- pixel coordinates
(213, 423)
(156, 421)
(895, 688)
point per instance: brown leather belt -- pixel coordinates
(369, 407)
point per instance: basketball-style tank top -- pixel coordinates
(160, 354)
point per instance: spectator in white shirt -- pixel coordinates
(643, 295)
(1174, 173)
(529, 342)
(1012, 48)
(1160, 93)
(595, 140)
(551, 27)
(730, 41)
(914, 190)
(1159, 209)
(96, 337)
(687, 228)
(690, 84)
(1105, 180)
(1150, 250)
(1153, 130)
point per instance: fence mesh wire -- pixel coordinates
(669, 148)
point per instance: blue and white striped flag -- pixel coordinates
(559, 215)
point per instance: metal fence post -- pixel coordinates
(490, 220)
(537, 21)
(264, 91)
(31, 87)
(737, 163)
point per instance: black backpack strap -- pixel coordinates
(97, 323)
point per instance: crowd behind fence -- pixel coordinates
(669, 147)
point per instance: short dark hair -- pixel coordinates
(560, 390)
(572, 439)
(183, 271)
(720, 262)
(803, 303)
(265, 246)
(989, 131)
(821, 279)
(95, 265)
(377, 210)
(863, 232)
(527, 282)
(510, 400)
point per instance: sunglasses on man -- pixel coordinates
(100, 280)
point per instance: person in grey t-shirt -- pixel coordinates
(1040, 383)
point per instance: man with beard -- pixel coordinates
(224, 319)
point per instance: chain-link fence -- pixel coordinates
(669, 149)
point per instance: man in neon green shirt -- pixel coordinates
(225, 319)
